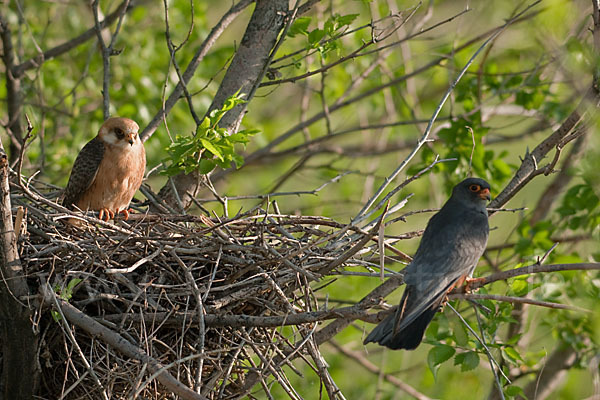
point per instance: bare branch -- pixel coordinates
(342, 102)
(201, 52)
(533, 269)
(425, 137)
(63, 48)
(107, 52)
(514, 300)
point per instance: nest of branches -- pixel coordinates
(164, 303)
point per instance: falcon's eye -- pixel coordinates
(474, 188)
(119, 133)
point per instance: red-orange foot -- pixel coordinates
(470, 282)
(105, 214)
(125, 213)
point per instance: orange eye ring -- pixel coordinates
(475, 188)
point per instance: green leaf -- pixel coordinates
(347, 19)
(67, 293)
(55, 316)
(315, 37)
(437, 355)
(206, 166)
(467, 361)
(512, 355)
(210, 147)
(514, 391)
(461, 335)
(300, 26)
(520, 287)
(501, 168)
(205, 123)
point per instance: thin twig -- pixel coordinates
(491, 358)
(425, 137)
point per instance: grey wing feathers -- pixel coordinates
(84, 171)
(445, 255)
(419, 303)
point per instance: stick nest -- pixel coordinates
(196, 294)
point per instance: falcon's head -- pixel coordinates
(472, 190)
(119, 131)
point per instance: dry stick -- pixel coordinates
(360, 359)
(425, 138)
(241, 320)
(112, 338)
(402, 185)
(200, 313)
(214, 34)
(331, 387)
(71, 337)
(69, 213)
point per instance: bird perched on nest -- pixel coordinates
(108, 170)
(453, 242)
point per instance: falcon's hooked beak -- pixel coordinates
(485, 194)
(130, 140)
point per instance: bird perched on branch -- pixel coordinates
(453, 242)
(108, 170)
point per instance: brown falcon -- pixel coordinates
(108, 170)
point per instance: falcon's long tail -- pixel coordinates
(408, 337)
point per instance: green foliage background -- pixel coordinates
(526, 84)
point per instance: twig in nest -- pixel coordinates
(95, 329)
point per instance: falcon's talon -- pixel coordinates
(125, 213)
(471, 281)
(105, 214)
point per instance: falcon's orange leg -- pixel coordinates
(456, 284)
(125, 213)
(105, 214)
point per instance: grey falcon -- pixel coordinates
(454, 240)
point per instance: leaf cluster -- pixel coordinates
(209, 147)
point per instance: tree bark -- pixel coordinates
(20, 370)
(14, 99)
(245, 72)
